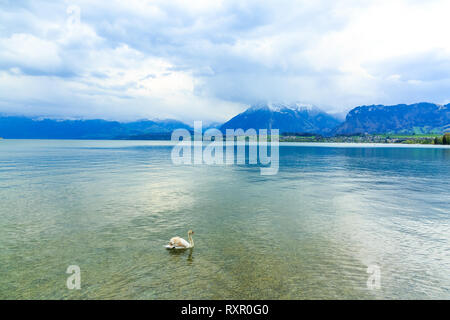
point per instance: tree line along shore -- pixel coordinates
(371, 138)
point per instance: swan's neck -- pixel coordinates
(191, 241)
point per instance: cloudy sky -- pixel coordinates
(208, 59)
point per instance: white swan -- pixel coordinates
(180, 243)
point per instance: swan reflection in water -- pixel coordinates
(181, 253)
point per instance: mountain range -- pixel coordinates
(17, 127)
(288, 118)
(414, 118)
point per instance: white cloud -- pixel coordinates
(208, 59)
(29, 52)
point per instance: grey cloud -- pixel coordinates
(237, 53)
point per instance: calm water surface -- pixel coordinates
(309, 232)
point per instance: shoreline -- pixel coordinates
(355, 144)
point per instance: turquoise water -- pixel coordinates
(308, 232)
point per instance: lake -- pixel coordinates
(309, 232)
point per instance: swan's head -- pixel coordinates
(190, 232)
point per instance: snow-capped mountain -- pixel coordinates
(281, 106)
(288, 118)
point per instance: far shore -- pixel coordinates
(399, 140)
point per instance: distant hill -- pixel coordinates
(414, 118)
(292, 118)
(16, 127)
